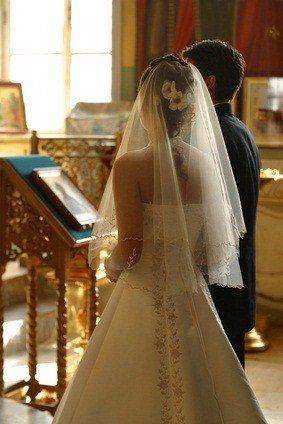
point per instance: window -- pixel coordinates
(61, 51)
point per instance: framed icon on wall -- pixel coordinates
(12, 109)
(263, 109)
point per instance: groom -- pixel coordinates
(222, 68)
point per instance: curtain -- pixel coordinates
(216, 19)
(185, 31)
(259, 36)
(157, 22)
(255, 27)
(152, 31)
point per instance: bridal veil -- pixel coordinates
(173, 115)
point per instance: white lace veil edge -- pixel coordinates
(174, 120)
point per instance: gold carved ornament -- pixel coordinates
(26, 231)
(86, 162)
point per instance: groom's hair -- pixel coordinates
(215, 57)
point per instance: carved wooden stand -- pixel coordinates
(86, 159)
(83, 276)
(30, 229)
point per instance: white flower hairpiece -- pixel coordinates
(177, 100)
(168, 89)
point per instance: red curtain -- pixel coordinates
(259, 36)
(276, 44)
(185, 29)
(185, 32)
(259, 33)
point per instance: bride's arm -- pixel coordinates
(129, 216)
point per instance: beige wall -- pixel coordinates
(128, 49)
(269, 243)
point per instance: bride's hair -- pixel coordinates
(171, 68)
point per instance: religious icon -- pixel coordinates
(12, 108)
(66, 197)
(263, 108)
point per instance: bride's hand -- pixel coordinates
(111, 273)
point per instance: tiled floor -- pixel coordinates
(12, 412)
(265, 372)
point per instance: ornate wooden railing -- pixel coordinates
(86, 159)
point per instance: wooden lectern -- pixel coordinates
(31, 227)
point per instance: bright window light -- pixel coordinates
(95, 35)
(36, 26)
(42, 80)
(90, 78)
(56, 74)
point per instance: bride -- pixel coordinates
(159, 353)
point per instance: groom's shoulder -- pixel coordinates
(235, 131)
(230, 123)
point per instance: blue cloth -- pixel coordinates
(24, 165)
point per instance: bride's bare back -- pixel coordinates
(184, 157)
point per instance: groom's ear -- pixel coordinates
(210, 82)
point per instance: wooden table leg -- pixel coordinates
(2, 270)
(3, 261)
(32, 304)
(62, 275)
(93, 303)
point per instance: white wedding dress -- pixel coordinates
(158, 357)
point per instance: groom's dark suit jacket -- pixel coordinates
(236, 307)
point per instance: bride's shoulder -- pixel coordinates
(126, 164)
(130, 159)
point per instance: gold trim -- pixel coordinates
(171, 25)
(197, 14)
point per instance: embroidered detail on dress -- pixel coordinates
(167, 343)
(137, 287)
(168, 347)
